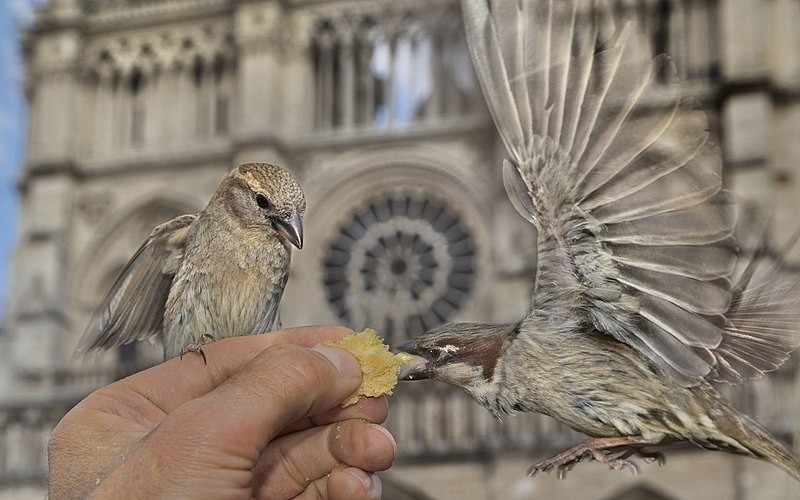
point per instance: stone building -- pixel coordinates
(139, 107)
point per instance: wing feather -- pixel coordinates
(763, 322)
(705, 262)
(701, 297)
(681, 189)
(699, 224)
(579, 73)
(134, 307)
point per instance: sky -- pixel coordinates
(13, 15)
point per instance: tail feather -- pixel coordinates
(758, 441)
(763, 445)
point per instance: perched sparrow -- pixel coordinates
(219, 273)
(635, 311)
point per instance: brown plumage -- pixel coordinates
(219, 273)
(636, 309)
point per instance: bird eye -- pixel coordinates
(262, 201)
(435, 352)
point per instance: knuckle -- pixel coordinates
(341, 330)
(296, 370)
(303, 367)
(340, 439)
(293, 470)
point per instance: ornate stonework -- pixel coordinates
(403, 261)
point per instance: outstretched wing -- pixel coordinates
(616, 172)
(134, 307)
(763, 322)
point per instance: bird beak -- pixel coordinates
(290, 228)
(416, 368)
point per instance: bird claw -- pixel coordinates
(198, 347)
(560, 463)
(614, 463)
(608, 451)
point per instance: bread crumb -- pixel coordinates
(379, 366)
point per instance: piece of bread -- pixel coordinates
(379, 365)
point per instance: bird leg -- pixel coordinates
(604, 450)
(198, 347)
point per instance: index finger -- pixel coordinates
(176, 381)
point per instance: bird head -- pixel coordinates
(466, 355)
(266, 196)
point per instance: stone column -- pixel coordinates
(325, 80)
(784, 39)
(103, 118)
(258, 26)
(347, 83)
(298, 99)
(743, 24)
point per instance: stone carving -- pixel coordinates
(131, 78)
(152, 51)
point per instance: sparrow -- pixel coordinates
(637, 309)
(206, 276)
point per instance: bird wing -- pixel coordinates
(763, 323)
(635, 234)
(134, 307)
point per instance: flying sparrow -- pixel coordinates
(636, 307)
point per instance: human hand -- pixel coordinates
(261, 420)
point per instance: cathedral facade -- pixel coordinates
(138, 108)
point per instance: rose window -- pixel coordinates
(402, 264)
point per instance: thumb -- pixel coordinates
(281, 385)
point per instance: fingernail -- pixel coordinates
(383, 430)
(343, 361)
(371, 482)
(376, 487)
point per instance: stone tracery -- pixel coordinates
(403, 262)
(390, 69)
(159, 70)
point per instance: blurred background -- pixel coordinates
(117, 115)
